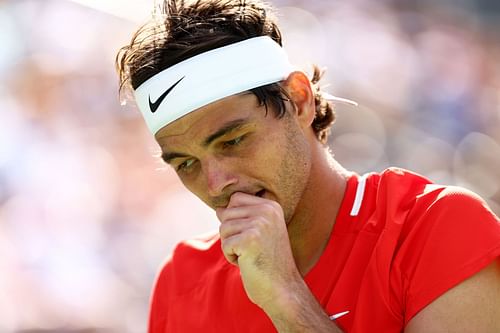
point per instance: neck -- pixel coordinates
(311, 226)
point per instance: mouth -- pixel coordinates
(222, 202)
(261, 193)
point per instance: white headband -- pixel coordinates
(210, 76)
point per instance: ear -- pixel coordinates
(299, 88)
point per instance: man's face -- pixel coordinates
(233, 146)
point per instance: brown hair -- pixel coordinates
(182, 29)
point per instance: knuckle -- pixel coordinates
(272, 210)
(261, 225)
(253, 236)
(227, 247)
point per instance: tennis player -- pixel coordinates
(304, 245)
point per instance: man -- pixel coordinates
(303, 244)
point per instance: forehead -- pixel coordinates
(212, 116)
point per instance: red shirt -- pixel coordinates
(398, 243)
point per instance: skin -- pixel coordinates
(276, 191)
(472, 306)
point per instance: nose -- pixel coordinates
(219, 175)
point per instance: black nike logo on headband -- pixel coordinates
(153, 106)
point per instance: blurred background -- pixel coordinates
(88, 212)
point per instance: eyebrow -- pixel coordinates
(229, 127)
(168, 157)
(226, 129)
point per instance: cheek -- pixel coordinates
(200, 191)
(194, 185)
(263, 158)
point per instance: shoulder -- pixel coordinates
(433, 236)
(400, 185)
(404, 190)
(441, 235)
(395, 189)
(197, 250)
(454, 208)
(190, 262)
(419, 209)
(389, 198)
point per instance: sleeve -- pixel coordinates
(453, 236)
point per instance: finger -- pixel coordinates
(233, 227)
(242, 245)
(240, 199)
(244, 199)
(231, 248)
(239, 212)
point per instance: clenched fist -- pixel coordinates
(255, 238)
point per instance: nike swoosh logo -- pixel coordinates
(338, 315)
(153, 106)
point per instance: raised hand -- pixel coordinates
(255, 238)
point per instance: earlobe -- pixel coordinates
(299, 88)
